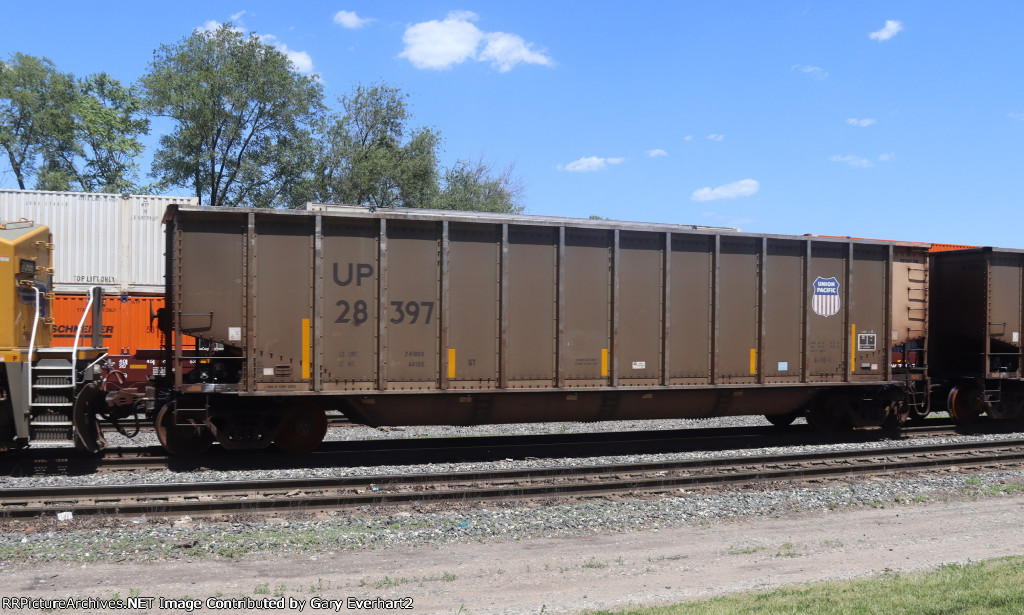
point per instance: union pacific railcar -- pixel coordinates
(427, 317)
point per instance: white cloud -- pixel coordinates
(886, 157)
(744, 187)
(442, 44)
(504, 51)
(590, 163)
(300, 59)
(853, 161)
(891, 29)
(860, 123)
(688, 138)
(816, 72)
(213, 25)
(716, 137)
(654, 153)
(1017, 116)
(348, 19)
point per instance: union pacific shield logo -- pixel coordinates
(825, 301)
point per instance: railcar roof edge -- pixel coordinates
(352, 211)
(982, 249)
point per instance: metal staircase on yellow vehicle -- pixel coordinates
(51, 401)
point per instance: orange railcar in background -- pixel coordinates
(129, 326)
(935, 247)
(948, 247)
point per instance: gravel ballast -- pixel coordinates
(142, 538)
(520, 558)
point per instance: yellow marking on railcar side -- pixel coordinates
(853, 347)
(451, 362)
(753, 361)
(604, 362)
(305, 349)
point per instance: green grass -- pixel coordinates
(994, 587)
(745, 549)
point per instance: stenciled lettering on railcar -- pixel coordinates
(826, 300)
(358, 312)
(360, 271)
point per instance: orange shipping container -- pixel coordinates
(129, 322)
(129, 325)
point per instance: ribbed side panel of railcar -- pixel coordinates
(418, 316)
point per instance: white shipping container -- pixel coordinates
(109, 240)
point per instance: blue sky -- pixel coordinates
(900, 120)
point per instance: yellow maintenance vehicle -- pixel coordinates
(46, 393)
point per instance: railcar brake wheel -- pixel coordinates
(304, 429)
(964, 405)
(181, 440)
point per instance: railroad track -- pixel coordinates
(399, 451)
(319, 494)
(404, 451)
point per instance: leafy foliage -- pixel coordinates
(371, 157)
(247, 130)
(475, 187)
(107, 125)
(69, 134)
(242, 118)
(367, 158)
(34, 97)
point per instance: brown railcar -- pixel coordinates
(427, 317)
(977, 312)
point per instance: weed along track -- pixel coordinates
(613, 479)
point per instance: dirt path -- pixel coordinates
(571, 574)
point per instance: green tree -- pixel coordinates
(475, 187)
(370, 156)
(110, 125)
(242, 118)
(65, 133)
(102, 153)
(35, 99)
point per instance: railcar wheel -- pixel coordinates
(304, 429)
(829, 415)
(784, 420)
(88, 437)
(964, 405)
(181, 440)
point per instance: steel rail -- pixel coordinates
(310, 494)
(399, 451)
